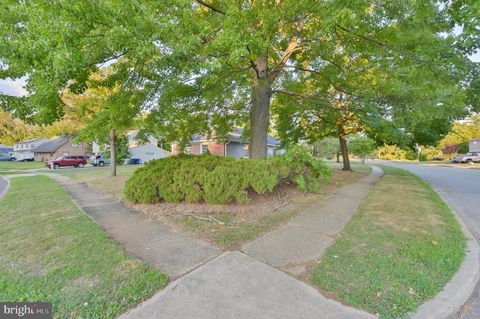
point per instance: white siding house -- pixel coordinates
(148, 152)
(24, 150)
(145, 152)
(474, 145)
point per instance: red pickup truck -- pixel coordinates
(75, 161)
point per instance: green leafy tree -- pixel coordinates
(328, 147)
(211, 65)
(362, 146)
(378, 78)
(122, 151)
(109, 111)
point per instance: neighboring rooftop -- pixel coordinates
(30, 140)
(132, 137)
(5, 148)
(51, 146)
(236, 136)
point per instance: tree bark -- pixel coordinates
(344, 149)
(338, 157)
(113, 153)
(364, 158)
(260, 111)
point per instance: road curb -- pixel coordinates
(459, 289)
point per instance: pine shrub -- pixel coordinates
(221, 180)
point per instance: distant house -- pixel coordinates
(232, 145)
(474, 145)
(145, 152)
(6, 151)
(62, 146)
(23, 151)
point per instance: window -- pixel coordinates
(65, 154)
(77, 145)
(204, 149)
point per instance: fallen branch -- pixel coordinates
(280, 206)
(209, 218)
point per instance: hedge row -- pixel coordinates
(220, 180)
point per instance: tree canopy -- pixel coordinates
(392, 69)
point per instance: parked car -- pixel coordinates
(75, 161)
(99, 160)
(7, 157)
(467, 158)
(31, 159)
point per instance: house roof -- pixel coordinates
(132, 136)
(51, 146)
(236, 136)
(5, 148)
(31, 140)
(475, 140)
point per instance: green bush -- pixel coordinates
(221, 180)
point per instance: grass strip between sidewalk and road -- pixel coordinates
(399, 250)
(14, 165)
(52, 251)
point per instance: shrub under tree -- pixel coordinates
(221, 180)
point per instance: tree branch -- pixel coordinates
(203, 3)
(107, 59)
(291, 48)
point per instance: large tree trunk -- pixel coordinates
(260, 111)
(344, 149)
(113, 153)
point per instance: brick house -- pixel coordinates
(61, 146)
(232, 145)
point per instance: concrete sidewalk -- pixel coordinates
(3, 186)
(158, 245)
(304, 238)
(233, 286)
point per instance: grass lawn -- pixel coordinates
(99, 178)
(399, 250)
(11, 172)
(4, 165)
(51, 251)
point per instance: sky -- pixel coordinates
(16, 87)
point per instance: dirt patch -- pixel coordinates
(230, 225)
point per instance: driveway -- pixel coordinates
(461, 188)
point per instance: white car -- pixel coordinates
(467, 158)
(99, 160)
